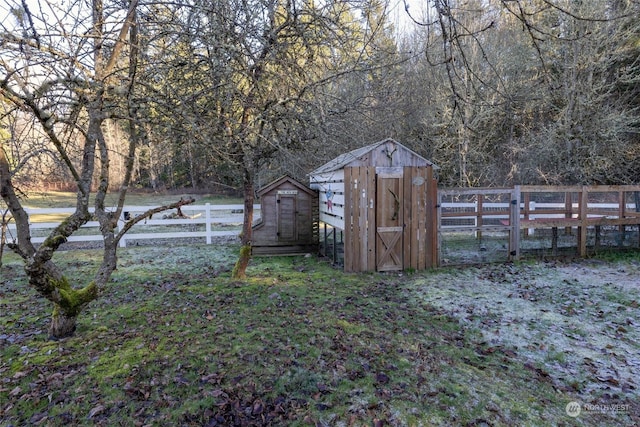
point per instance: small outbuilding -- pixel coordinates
(289, 219)
(384, 197)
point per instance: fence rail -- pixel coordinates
(470, 215)
(528, 208)
(226, 220)
(502, 210)
(197, 221)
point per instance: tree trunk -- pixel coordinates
(68, 302)
(62, 325)
(240, 269)
(3, 233)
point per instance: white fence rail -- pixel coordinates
(198, 221)
(209, 221)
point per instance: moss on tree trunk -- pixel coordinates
(68, 304)
(240, 269)
(62, 324)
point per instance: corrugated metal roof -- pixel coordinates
(344, 159)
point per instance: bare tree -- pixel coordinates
(536, 91)
(248, 74)
(65, 68)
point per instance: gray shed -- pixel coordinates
(289, 219)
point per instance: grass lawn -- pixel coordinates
(174, 341)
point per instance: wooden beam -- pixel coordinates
(582, 215)
(514, 221)
(370, 202)
(433, 244)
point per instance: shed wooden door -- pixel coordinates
(420, 218)
(389, 219)
(287, 218)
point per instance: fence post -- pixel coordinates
(207, 226)
(438, 229)
(622, 205)
(479, 213)
(568, 210)
(123, 239)
(582, 229)
(514, 220)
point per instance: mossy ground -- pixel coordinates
(174, 340)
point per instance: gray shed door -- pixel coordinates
(287, 213)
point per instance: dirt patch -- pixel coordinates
(576, 322)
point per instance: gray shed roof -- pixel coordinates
(285, 178)
(344, 159)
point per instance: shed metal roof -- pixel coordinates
(344, 159)
(285, 178)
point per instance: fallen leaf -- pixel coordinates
(382, 378)
(37, 419)
(218, 393)
(609, 379)
(257, 408)
(97, 410)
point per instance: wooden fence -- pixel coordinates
(528, 208)
(512, 212)
(203, 222)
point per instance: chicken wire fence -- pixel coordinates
(475, 224)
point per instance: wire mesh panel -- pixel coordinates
(475, 225)
(332, 244)
(468, 247)
(607, 237)
(491, 225)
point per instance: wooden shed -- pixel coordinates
(289, 219)
(384, 197)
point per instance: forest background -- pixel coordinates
(493, 92)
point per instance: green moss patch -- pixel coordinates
(173, 340)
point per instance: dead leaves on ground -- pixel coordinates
(235, 409)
